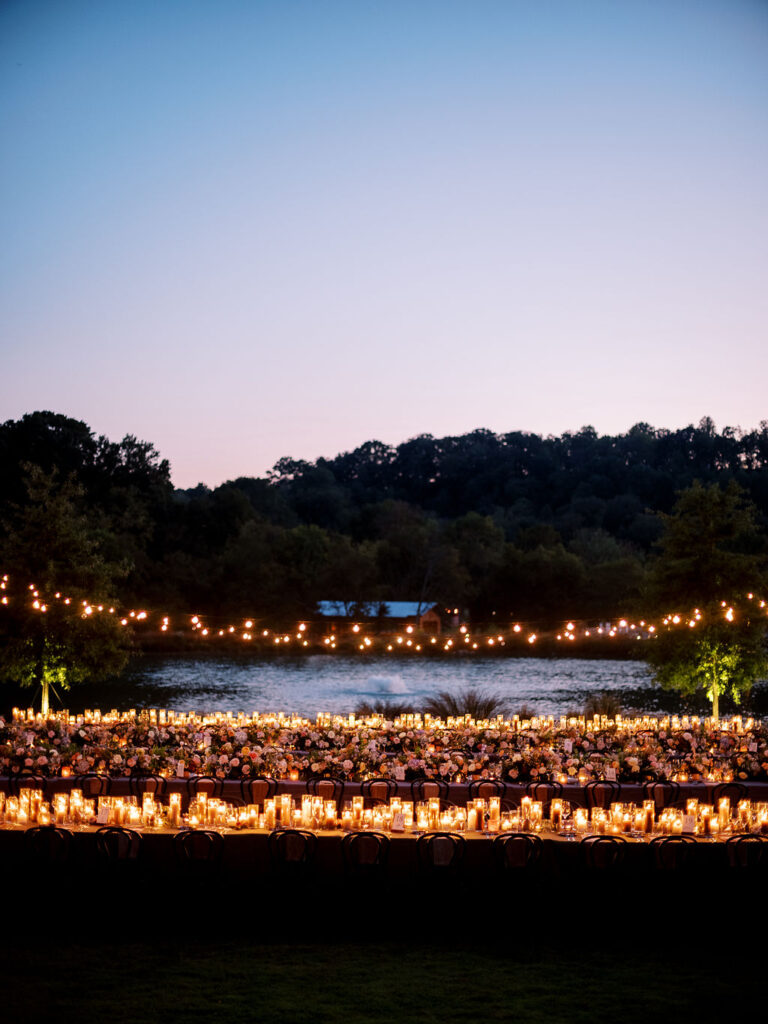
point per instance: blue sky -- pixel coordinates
(243, 230)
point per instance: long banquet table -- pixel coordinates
(458, 792)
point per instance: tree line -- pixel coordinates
(503, 526)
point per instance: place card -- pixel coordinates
(400, 773)
(689, 823)
(102, 818)
(610, 774)
(179, 769)
(398, 822)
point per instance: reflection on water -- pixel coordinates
(320, 683)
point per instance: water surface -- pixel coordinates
(315, 683)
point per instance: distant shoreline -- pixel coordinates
(614, 649)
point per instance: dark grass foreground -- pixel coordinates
(60, 977)
(115, 948)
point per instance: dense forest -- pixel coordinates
(501, 525)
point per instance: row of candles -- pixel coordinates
(325, 720)
(396, 815)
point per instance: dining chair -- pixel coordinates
(747, 851)
(486, 788)
(47, 845)
(602, 852)
(440, 853)
(26, 780)
(671, 853)
(92, 784)
(664, 793)
(544, 792)
(517, 850)
(601, 793)
(257, 788)
(327, 788)
(208, 784)
(365, 853)
(198, 848)
(146, 782)
(426, 789)
(733, 790)
(292, 850)
(115, 843)
(378, 790)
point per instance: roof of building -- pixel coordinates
(373, 609)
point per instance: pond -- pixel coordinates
(341, 684)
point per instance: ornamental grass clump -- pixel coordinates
(478, 704)
(602, 703)
(388, 709)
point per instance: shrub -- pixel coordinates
(477, 703)
(602, 703)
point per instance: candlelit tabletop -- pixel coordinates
(246, 853)
(457, 792)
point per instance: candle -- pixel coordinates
(270, 813)
(556, 814)
(174, 810)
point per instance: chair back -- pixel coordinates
(602, 793)
(292, 847)
(486, 788)
(380, 789)
(747, 851)
(672, 852)
(197, 784)
(92, 784)
(199, 846)
(545, 792)
(440, 851)
(603, 852)
(664, 794)
(733, 790)
(365, 851)
(114, 843)
(148, 783)
(517, 850)
(26, 780)
(328, 789)
(47, 844)
(257, 789)
(426, 789)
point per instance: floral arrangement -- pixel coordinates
(356, 749)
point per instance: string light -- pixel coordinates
(473, 640)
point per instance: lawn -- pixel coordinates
(210, 979)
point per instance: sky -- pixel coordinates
(243, 230)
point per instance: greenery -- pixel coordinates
(501, 526)
(387, 708)
(478, 704)
(50, 542)
(713, 557)
(400, 981)
(602, 703)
